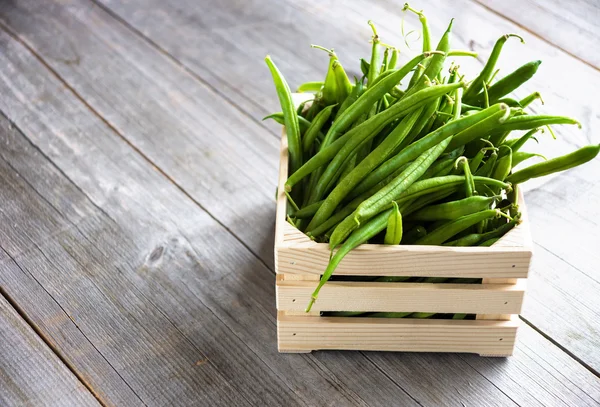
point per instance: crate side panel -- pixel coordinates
(419, 261)
(297, 333)
(403, 297)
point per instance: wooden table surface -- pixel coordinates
(137, 205)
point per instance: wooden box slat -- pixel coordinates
(403, 297)
(299, 262)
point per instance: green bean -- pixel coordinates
(509, 83)
(310, 87)
(454, 127)
(503, 166)
(488, 167)
(521, 156)
(462, 53)
(445, 232)
(330, 92)
(510, 102)
(489, 242)
(454, 209)
(292, 126)
(344, 87)
(376, 157)
(374, 64)
(307, 211)
(528, 122)
(367, 99)
(278, 117)
(393, 233)
(516, 144)
(486, 73)
(474, 239)
(383, 198)
(435, 63)
(557, 164)
(365, 132)
(364, 67)
(382, 76)
(359, 236)
(527, 100)
(394, 59)
(420, 125)
(357, 91)
(483, 126)
(467, 107)
(469, 183)
(476, 161)
(315, 128)
(426, 38)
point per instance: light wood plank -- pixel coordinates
(403, 297)
(571, 26)
(495, 338)
(30, 373)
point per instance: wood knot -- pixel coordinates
(156, 255)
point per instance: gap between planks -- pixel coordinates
(49, 344)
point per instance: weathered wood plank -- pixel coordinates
(30, 373)
(571, 26)
(251, 33)
(69, 259)
(133, 223)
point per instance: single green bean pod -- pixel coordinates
(521, 156)
(312, 87)
(485, 76)
(527, 100)
(463, 162)
(509, 83)
(279, 118)
(374, 64)
(489, 242)
(503, 165)
(454, 209)
(292, 127)
(577, 157)
(343, 85)
(394, 58)
(450, 229)
(426, 39)
(516, 144)
(315, 128)
(393, 233)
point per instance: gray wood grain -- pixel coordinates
(251, 34)
(30, 373)
(168, 250)
(571, 26)
(135, 226)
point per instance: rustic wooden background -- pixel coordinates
(137, 205)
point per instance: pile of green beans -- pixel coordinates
(429, 162)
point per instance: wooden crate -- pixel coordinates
(497, 302)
